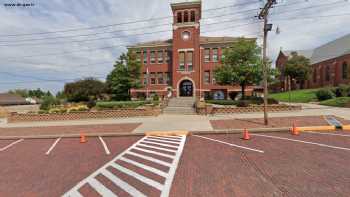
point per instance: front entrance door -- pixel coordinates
(186, 88)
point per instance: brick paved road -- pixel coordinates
(270, 164)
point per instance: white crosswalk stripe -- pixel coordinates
(149, 149)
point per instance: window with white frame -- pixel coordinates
(189, 60)
(160, 56)
(182, 60)
(206, 55)
(215, 55)
(207, 77)
(153, 57)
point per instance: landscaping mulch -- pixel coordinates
(274, 122)
(72, 129)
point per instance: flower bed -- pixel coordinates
(210, 109)
(119, 113)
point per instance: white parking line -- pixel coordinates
(13, 143)
(301, 141)
(104, 145)
(53, 146)
(234, 145)
(125, 185)
(335, 134)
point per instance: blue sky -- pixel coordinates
(46, 60)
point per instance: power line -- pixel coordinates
(122, 23)
(313, 6)
(123, 30)
(112, 46)
(141, 28)
(113, 37)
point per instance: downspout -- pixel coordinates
(200, 72)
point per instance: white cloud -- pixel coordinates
(60, 15)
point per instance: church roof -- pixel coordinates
(330, 50)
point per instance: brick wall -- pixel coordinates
(209, 109)
(121, 113)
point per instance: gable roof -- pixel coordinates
(330, 50)
(11, 99)
(305, 53)
(336, 48)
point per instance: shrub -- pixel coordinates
(49, 102)
(324, 94)
(91, 104)
(222, 102)
(343, 90)
(123, 104)
(156, 97)
(243, 103)
(272, 101)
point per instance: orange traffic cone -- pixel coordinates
(295, 130)
(82, 138)
(246, 135)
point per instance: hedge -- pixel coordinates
(123, 104)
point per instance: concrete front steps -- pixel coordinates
(182, 105)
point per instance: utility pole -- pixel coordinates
(267, 27)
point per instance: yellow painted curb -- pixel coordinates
(317, 128)
(346, 127)
(166, 133)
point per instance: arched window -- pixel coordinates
(186, 16)
(193, 16)
(179, 17)
(328, 74)
(345, 70)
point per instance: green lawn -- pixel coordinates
(297, 96)
(337, 102)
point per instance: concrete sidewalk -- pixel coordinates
(166, 122)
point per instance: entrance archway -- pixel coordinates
(186, 88)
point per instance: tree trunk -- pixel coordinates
(243, 91)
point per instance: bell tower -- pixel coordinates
(186, 47)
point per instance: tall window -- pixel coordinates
(167, 56)
(182, 61)
(207, 77)
(215, 55)
(315, 75)
(193, 16)
(179, 17)
(189, 60)
(160, 78)
(345, 70)
(144, 57)
(145, 78)
(153, 57)
(185, 16)
(153, 78)
(160, 57)
(206, 55)
(167, 78)
(328, 74)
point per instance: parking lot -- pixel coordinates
(270, 164)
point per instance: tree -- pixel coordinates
(241, 65)
(125, 75)
(84, 90)
(298, 67)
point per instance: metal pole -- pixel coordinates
(266, 121)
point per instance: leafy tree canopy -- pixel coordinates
(38, 93)
(125, 75)
(84, 90)
(241, 65)
(297, 67)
